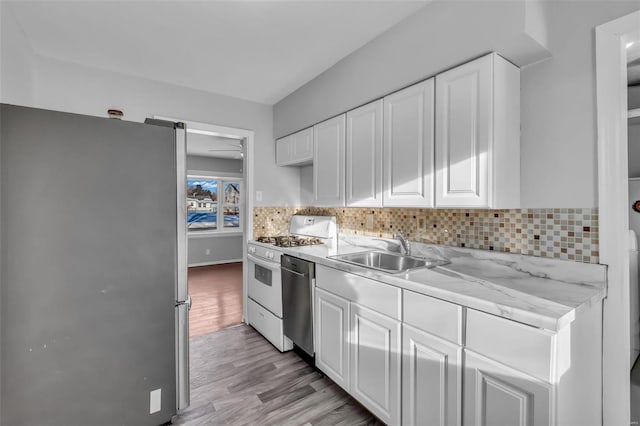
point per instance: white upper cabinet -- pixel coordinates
(283, 150)
(477, 145)
(295, 149)
(328, 162)
(364, 156)
(408, 146)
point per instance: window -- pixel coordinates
(231, 206)
(206, 197)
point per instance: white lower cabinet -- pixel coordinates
(375, 363)
(332, 337)
(431, 379)
(412, 359)
(496, 395)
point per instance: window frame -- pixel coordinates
(219, 203)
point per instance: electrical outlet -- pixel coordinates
(369, 221)
(258, 195)
(155, 401)
(421, 224)
(207, 252)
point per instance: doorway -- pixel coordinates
(227, 215)
(215, 230)
(613, 41)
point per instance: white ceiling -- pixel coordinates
(260, 50)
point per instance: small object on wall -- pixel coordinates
(636, 206)
(115, 113)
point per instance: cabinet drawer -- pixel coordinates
(525, 348)
(372, 294)
(269, 325)
(437, 317)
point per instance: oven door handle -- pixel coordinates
(264, 263)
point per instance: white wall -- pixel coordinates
(557, 95)
(558, 108)
(439, 36)
(222, 249)
(17, 84)
(33, 80)
(224, 166)
(69, 87)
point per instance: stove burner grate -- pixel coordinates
(289, 241)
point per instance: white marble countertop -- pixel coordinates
(544, 293)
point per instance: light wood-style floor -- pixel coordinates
(216, 294)
(238, 378)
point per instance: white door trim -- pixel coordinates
(248, 168)
(611, 90)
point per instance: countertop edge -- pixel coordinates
(517, 314)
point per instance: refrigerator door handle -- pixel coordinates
(183, 300)
(182, 356)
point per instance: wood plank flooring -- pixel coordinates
(238, 378)
(216, 293)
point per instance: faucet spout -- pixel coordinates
(404, 243)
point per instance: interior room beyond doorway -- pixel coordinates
(216, 293)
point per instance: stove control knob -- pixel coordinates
(252, 249)
(270, 255)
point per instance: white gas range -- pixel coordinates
(264, 305)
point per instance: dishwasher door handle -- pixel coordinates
(300, 274)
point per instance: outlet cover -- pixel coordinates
(421, 223)
(155, 401)
(207, 252)
(369, 221)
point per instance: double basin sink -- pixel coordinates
(388, 262)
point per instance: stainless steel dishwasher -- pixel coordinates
(297, 301)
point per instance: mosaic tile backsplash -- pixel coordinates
(570, 234)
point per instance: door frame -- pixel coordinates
(247, 168)
(611, 93)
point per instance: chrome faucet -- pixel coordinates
(404, 243)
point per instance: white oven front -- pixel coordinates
(265, 284)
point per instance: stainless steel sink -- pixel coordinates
(388, 262)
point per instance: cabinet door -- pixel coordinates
(408, 146)
(332, 336)
(302, 147)
(431, 380)
(328, 162)
(375, 363)
(464, 116)
(283, 150)
(496, 395)
(364, 156)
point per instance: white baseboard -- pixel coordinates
(218, 262)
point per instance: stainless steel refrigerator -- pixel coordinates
(94, 303)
